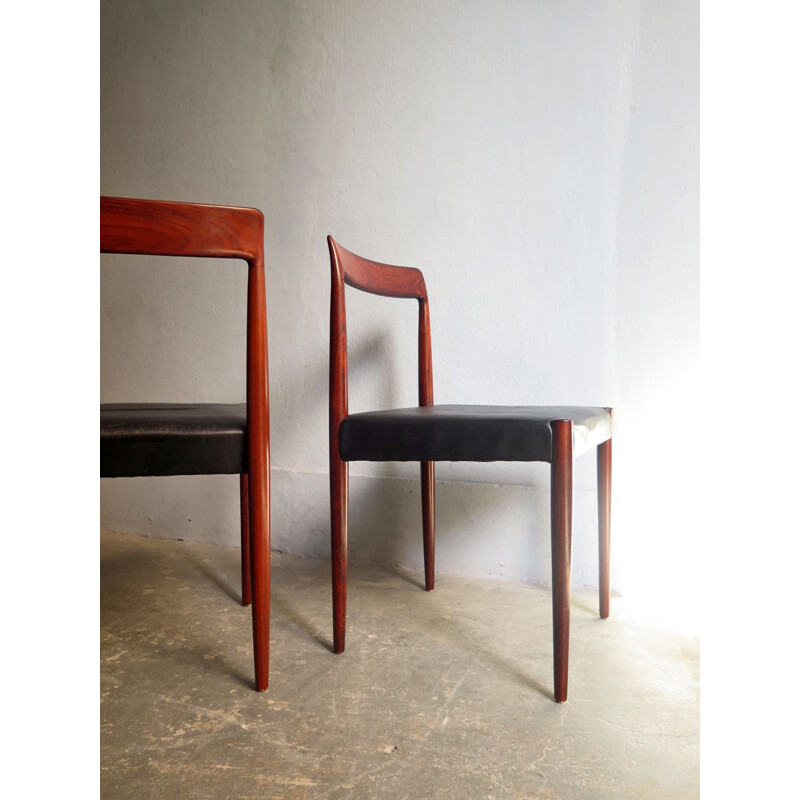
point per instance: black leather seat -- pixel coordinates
(467, 433)
(140, 439)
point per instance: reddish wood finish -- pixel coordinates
(154, 227)
(244, 514)
(427, 468)
(428, 478)
(339, 470)
(604, 520)
(258, 477)
(340, 505)
(377, 278)
(388, 281)
(561, 549)
(162, 228)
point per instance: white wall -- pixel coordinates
(537, 160)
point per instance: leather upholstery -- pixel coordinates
(467, 433)
(172, 439)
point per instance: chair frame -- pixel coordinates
(407, 282)
(162, 228)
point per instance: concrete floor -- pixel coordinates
(439, 695)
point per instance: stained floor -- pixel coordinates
(440, 695)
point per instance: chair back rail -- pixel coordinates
(162, 228)
(375, 278)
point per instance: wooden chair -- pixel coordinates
(182, 439)
(429, 433)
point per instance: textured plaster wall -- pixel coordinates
(537, 160)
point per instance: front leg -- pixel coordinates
(561, 549)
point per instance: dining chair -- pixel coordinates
(428, 433)
(146, 439)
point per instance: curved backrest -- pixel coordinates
(162, 228)
(375, 278)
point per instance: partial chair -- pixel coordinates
(430, 433)
(138, 439)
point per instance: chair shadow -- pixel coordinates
(497, 661)
(247, 680)
(214, 576)
(410, 578)
(114, 571)
(481, 653)
(592, 611)
(509, 666)
(195, 657)
(301, 622)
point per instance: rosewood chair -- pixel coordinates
(138, 439)
(430, 433)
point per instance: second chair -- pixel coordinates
(429, 433)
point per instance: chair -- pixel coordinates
(182, 439)
(430, 433)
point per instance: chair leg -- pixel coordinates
(259, 525)
(427, 470)
(339, 517)
(604, 522)
(561, 549)
(244, 505)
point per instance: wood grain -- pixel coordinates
(561, 549)
(604, 520)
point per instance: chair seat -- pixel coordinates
(138, 439)
(467, 433)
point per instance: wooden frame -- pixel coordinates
(161, 228)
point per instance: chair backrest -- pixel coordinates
(161, 228)
(375, 278)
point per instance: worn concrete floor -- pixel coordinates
(439, 695)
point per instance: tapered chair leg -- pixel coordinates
(427, 469)
(339, 519)
(561, 549)
(259, 525)
(604, 521)
(244, 505)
